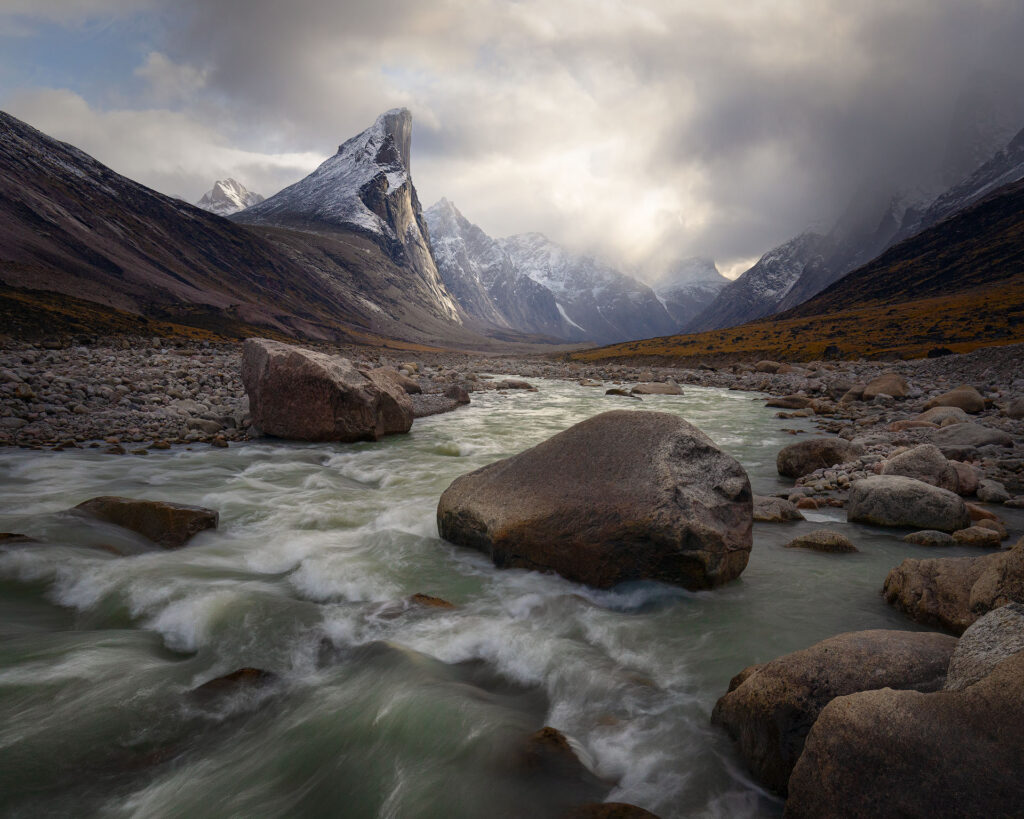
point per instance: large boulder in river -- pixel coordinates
(886, 384)
(168, 524)
(966, 398)
(802, 458)
(620, 496)
(768, 509)
(770, 707)
(908, 754)
(924, 463)
(657, 388)
(893, 500)
(304, 395)
(953, 592)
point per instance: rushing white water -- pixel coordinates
(381, 708)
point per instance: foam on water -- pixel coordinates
(383, 708)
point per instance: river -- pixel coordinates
(382, 708)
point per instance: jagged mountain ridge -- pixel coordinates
(756, 293)
(688, 287)
(70, 225)
(530, 283)
(484, 280)
(228, 196)
(366, 188)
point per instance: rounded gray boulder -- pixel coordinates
(894, 500)
(621, 496)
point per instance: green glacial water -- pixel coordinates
(381, 709)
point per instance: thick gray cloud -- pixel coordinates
(641, 130)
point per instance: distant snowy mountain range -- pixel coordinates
(530, 283)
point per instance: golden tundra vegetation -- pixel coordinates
(960, 323)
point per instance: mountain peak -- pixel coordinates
(228, 196)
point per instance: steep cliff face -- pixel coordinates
(367, 188)
(603, 303)
(688, 287)
(485, 281)
(758, 291)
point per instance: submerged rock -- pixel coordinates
(804, 457)
(929, 537)
(170, 525)
(770, 708)
(621, 496)
(240, 680)
(893, 500)
(907, 754)
(304, 395)
(823, 540)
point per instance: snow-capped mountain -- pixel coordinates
(367, 188)
(485, 282)
(688, 287)
(759, 290)
(603, 303)
(228, 196)
(529, 283)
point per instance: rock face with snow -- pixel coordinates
(484, 280)
(759, 290)
(228, 196)
(366, 188)
(606, 305)
(689, 287)
(529, 283)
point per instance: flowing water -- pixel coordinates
(379, 707)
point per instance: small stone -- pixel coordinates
(977, 536)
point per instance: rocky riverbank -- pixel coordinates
(129, 395)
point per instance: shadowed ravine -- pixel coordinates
(381, 707)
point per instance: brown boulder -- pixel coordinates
(907, 754)
(621, 496)
(953, 592)
(939, 415)
(775, 510)
(305, 395)
(966, 398)
(167, 524)
(770, 707)
(789, 402)
(886, 384)
(410, 386)
(657, 388)
(767, 366)
(803, 457)
(977, 536)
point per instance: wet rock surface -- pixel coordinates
(622, 496)
(770, 708)
(170, 525)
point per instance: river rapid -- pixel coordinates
(381, 708)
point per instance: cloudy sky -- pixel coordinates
(639, 130)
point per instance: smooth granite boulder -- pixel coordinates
(893, 500)
(916, 756)
(925, 463)
(770, 707)
(966, 398)
(621, 496)
(985, 644)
